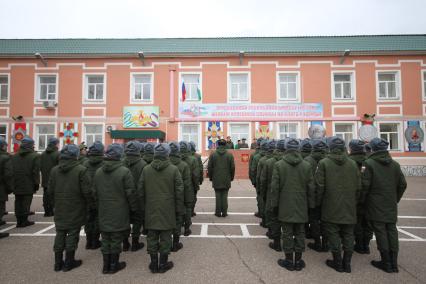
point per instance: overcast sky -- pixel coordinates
(208, 18)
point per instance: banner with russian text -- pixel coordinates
(246, 111)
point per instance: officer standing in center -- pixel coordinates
(221, 171)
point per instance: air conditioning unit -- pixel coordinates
(49, 104)
(109, 128)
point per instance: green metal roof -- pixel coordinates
(189, 46)
(137, 134)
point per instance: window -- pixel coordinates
(287, 130)
(288, 87)
(46, 88)
(43, 133)
(95, 89)
(3, 131)
(192, 85)
(344, 131)
(142, 88)
(343, 86)
(92, 133)
(388, 85)
(389, 132)
(238, 87)
(190, 132)
(238, 131)
(4, 88)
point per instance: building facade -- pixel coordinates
(200, 89)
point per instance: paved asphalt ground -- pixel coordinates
(221, 250)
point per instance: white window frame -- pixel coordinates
(36, 134)
(298, 88)
(132, 88)
(353, 85)
(228, 86)
(423, 85)
(200, 137)
(277, 127)
(401, 139)
(37, 77)
(398, 87)
(228, 130)
(85, 100)
(7, 138)
(200, 74)
(7, 101)
(354, 129)
(83, 130)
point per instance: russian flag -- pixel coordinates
(183, 92)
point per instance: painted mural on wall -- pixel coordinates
(141, 117)
(414, 135)
(245, 111)
(264, 129)
(214, 132)
(69, 133)
(19, 132)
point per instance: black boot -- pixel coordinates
(2, 222)
(366, 245)
(336, 263)
(257, 215)
(59, 262)
(126, 244)
(224, 214)
(46, 211)
(268, 234)
(25, 222)
(394, 261)
(136, 245)
(316, 245)
(217, 214)
(107, 263)
(115, 264)
(31, 213)
(96, 243)
(347, 257)
(164, 263)
(89, 241)
(176, 244)
(4, 235)
(187, 231)
(153, 266)
(287, 263)
(276, 244)
(299, 264)
(70, 261)
(383, 264)
(359, 245)
(324, 244)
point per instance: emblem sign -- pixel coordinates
(414, 135)
(316, 131)
(367, 132)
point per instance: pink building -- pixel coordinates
(198, 89)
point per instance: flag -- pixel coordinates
(183, 92)
(199, 91)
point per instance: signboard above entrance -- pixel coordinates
(251, 111)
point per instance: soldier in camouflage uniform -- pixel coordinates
(48, 159)
(134, 162)
(383, 185)
(161, 189)
(93, 163)
(115, 192)
(69, 191)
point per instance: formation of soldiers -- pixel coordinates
(150, 188)
(317, 189)
(305, 189)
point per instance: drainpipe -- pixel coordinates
(172, 93)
